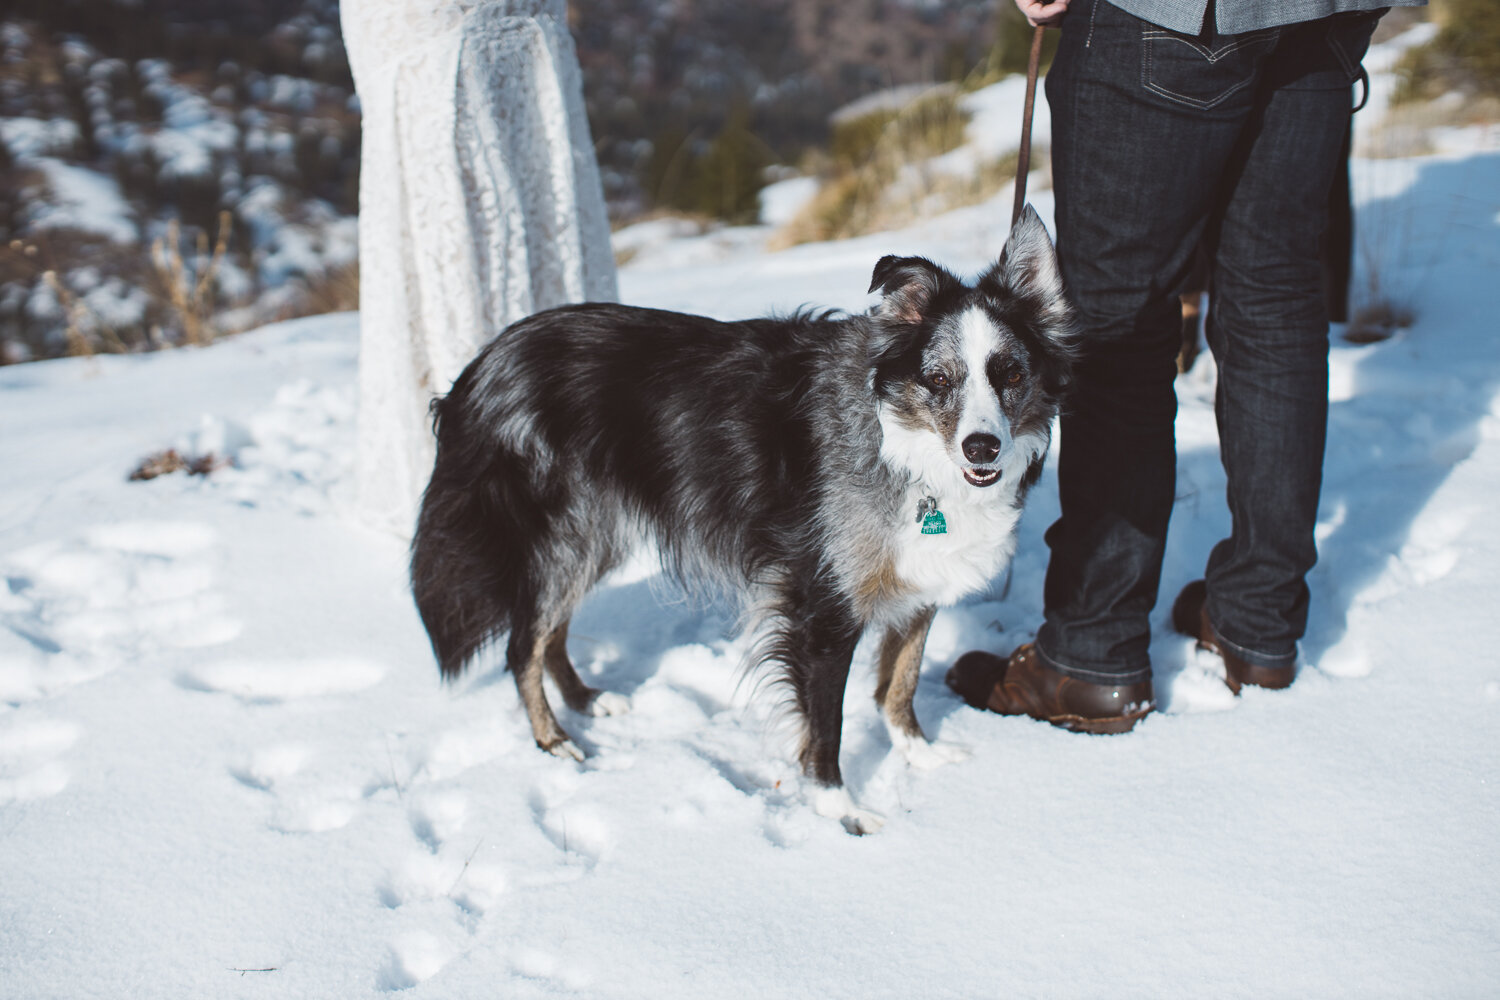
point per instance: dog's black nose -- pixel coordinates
(981, 448)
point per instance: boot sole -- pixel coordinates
(1099, 727)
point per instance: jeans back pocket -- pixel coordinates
(1201, 71)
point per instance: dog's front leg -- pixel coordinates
(900, 667)
(818, 650)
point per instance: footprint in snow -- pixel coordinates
(578, 830)
(1433, 547)
(473, 884)
(71, 609)
(29, 752)
(314, 812)
(269, 766)
(452, 752)
(411, 959)
(469, 884)
(303, 802)
(272, 681)
(1348, 658)
(294, 453)
(543, 965)
(1430, 552)
(438, 816)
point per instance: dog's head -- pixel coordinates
(968, 378)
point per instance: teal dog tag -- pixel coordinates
(930, 518)
(933, 523)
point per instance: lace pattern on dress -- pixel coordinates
(480, 203)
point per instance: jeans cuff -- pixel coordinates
(1110, 678)
(1254, 657)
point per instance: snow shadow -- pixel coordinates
(622, 631)
(1403, 412)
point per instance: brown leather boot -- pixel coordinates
(1190, 617)
(1025, 685)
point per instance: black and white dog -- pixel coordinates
(838, 472)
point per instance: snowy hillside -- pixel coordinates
(140, 136)
(228, 769)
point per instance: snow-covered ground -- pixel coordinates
(227, 767)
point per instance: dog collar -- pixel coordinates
(930, 518)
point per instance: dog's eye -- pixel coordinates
(1014, 378)
(938, 380)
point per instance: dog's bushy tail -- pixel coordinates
(471, 555)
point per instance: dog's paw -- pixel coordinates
(862, 821)
(835, 803)
(609, 703)
(924, 756)
(566, 750)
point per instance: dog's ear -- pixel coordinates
(908, 286)
(1028, 270)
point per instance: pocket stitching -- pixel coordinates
(1150, 35)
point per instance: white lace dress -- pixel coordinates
(479, 203)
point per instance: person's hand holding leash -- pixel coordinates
(1040, 13)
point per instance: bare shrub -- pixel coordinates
(334, 290)
(90, 278)
(878, 175)
(186, 285)
(1464, 56)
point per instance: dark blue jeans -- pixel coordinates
(1162, 142)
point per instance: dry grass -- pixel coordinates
(188, 286)
(81, 322)
(1463, 57)
(33, 263)
(335, 290)
(1407, 127)
(183, 302)
(164, 463)
(878, 174)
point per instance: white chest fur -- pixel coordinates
(943, 567)
(980, 522)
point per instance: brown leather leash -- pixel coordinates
(1023, 160)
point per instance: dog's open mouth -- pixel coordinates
(982, 477)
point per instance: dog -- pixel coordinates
(839, 473)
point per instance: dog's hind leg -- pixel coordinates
(526, 656)
(579, 696)
(900, 667)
